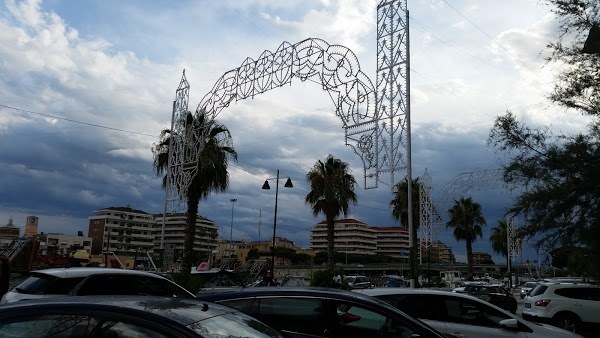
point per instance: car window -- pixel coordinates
(244, 305)
(578, 293)
(466, 311)
(301, 315)
(417, 306)
(233, 325)
(42, 284)
(45, 326)
(120, 329)
(357, 321)
(130, 285)
(538, 290)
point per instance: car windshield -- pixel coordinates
(233, 325)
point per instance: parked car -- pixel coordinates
(572, 306)
(462, 315)
(526, 288)
(358, 282)
(321, 312)
(93, 281)
(126, 316)
(495, 294)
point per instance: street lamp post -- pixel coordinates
(233, 200)
(288, 184)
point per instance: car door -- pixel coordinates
(354, 320)
(470, 319)
(296, 317)
(428, 308)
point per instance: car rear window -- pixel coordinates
(42, 284)
(538, 290)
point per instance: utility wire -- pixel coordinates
(76, 121)
(494, 40)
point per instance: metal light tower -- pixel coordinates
(392, 103)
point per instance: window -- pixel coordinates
(301, 315)
(538, 290)
(354, 321)
(45, 326)
(465, 311)
(579, 293)
(118, 329)
(42, 284)
(130, 285)
(417, 306)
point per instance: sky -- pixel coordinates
(87, 86)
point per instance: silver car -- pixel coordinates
(463, 315)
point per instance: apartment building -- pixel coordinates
(392, 241)
(350, 236)
(61, 244)
(438, 252)
(122, 230)
(174, 235)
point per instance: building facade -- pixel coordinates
(31, 227)
(122, 230)
(205, 241)
(10, 230)
(60, 244)
(350, 236)
(392, 241)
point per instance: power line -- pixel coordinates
(494, 40)
(75, 121)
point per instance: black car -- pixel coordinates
(495, 294)
(321, 312)
(126, 316)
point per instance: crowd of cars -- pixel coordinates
(129, 303)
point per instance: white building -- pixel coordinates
(52, 243)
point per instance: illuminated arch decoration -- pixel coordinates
(376, 120)
(335, 68)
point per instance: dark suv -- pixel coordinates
(495, 294)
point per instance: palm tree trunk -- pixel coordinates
(190, 234)
(469, 258)
(330, 244)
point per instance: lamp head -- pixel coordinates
(266, 185)
(288, 183)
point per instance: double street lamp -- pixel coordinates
(288, 184)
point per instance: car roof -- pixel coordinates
(291, 291)
(182, 310)
(84, 272)
(409, 291)
(277, 290)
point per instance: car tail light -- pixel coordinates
(542, 302)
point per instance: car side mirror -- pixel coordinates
(510, 323)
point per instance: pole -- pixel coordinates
(274, 225)
(411, 242)
(233, 200)
(429, 265)
(508, 253)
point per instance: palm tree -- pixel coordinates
(399, 206)
(499, 240)
(332, 189)
(466, 219)
(211, 170)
